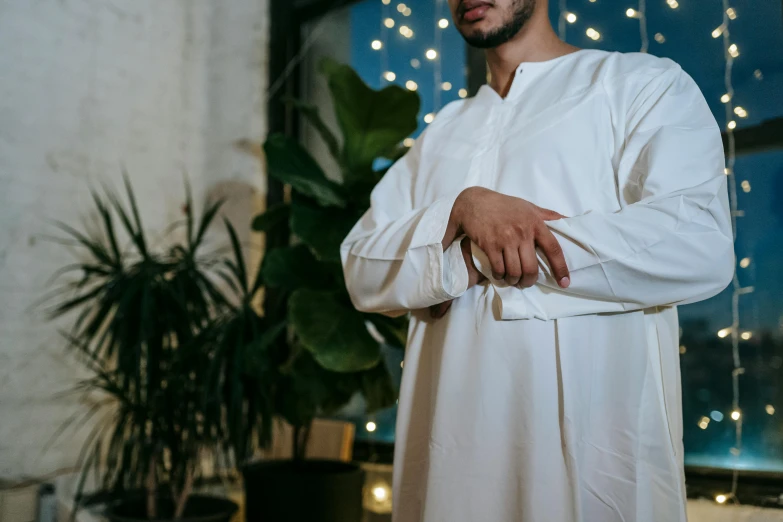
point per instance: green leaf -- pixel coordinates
(332, 331)
(274, 215)
(323, 229)
(295, 267)
(372, 122)
(314, 117)
(290, 163)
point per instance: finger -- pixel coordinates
(554, 254)
(527, 253)
(513, 265)
(549, 215)
(439, 310)
(497, 264)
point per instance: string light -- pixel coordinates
(376, 44)
(386, 2)
(745, 263)
(724, 332)
(429, 118)
(641, 14)
(725, 98)
(406, 31)
(704, 422)
(411, 85)
(721, 499)
(660, 38)
(446, 86)
(463, 93)
(735, 415)
(732, 125)
(570, 18)
(407, 12)
(389, 76)
(739, 111)
(371, 426)
(745, 186)
(415, 63)
(673, 4)
(431, 54)
(593, 34)
(757, 74)
(717, 32)
(388, 23)
(731, 13)
(734, 50)
(716, 416)
(746, 336)
(443, 23)
(408, 142)
(562, 19)
(380, 493)
(631, 13)
(770, 409)
(401, 7)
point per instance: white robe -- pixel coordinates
(543, 404)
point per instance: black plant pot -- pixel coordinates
(199, 508)
(306, 491)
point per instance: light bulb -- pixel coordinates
(732, 13)
(735, 415)
(739, 111)
(770, 409)
(431, 54)
(371, 426)
(407, 12)
(429, 118)
(673, 4)
(570, 18)
(725, 98)
(380, 493)
(389, 76)
(446, 86)
(716, 415)
(443, 23)
(631, 13)
(593, 34)
(734, 50)
(411, 85)
(745, 186)
(745, 263)
(746, 336)
(724, 332)
(732, 125)
(720, 499)
(386, 2)
(401, 7)
(376, 44)
(660, 38)
(757, 74)
(415, 63)
(408, 142)
(717, 31)
(388, 23)
(463, 93)
(704, 422)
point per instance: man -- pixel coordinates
(541, 234)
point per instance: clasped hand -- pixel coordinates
(508, 230)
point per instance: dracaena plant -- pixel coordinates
(140, 318)
(333, 353)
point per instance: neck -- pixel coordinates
(536, 42)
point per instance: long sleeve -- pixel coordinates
(670, 243)
(393, 259)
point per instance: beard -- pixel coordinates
(521, 11)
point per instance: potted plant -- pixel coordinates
(327, 350)
(138, 319)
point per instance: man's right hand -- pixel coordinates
(508, 230)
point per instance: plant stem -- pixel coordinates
(306, 429)
(151, 484)
(183, 498)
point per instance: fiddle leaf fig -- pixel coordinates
(373, 122)
(332, 331)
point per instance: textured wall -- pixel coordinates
(87, 88)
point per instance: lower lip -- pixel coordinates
(477, 13)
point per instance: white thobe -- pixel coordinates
(544, 404)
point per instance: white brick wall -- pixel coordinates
(87, 87)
